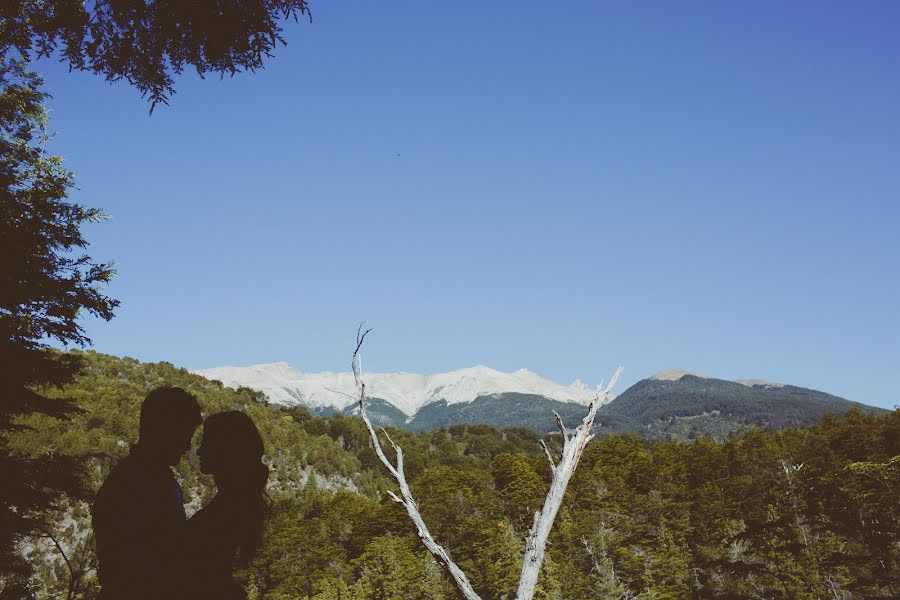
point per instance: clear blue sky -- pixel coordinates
(567, 188)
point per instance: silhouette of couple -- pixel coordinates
(145, 545)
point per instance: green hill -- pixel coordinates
(692, 407)
(500, 411)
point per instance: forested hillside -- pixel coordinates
(798, 513)
(691, 406)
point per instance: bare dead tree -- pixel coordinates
(573, 447)
(406, 498)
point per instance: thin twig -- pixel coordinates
(549, 457)
(562, 428)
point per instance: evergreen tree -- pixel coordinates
(520, 488)
(45, 285)
(390, 570)
(147, 42)
(604, 582)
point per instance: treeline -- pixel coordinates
(801, 513)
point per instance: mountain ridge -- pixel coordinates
(408, 392)
(673, 403)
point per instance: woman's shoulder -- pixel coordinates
(224, 515)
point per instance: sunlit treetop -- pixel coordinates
(147, 42)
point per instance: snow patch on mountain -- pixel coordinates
(407, 391)
(675, 375)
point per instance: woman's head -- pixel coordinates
(232, 452)
(231, 445)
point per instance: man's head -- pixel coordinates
(169, 416)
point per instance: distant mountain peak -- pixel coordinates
(675, 375)
(407, 392)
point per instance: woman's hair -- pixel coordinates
(241, 447)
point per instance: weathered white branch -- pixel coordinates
(406, 498)
(573, 448)
(562, 427)
(549, 456)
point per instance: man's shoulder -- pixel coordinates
(126, 474)
(132, 481)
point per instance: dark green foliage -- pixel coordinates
(793, 514)
(46, 282)
(147, 42)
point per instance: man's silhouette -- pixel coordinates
(139, 512)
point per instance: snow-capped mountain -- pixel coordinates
(673, 403)
(408, 392)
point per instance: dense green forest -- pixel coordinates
(798, 513)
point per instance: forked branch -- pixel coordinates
(573, 448)
(396, 470)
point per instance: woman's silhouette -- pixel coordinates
(231, 524)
